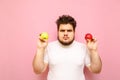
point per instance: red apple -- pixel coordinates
(88, 36)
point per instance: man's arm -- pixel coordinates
(39, 65)
(38, 62)
(95, 60)
(96, 63)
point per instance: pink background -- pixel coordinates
(22, 20)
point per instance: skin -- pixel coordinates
(66, 36)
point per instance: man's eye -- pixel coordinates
(69, 30)
(62, 30)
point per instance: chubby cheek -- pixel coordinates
(71, 37)
(60, 35)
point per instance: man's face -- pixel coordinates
(66, 34)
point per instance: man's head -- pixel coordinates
(66, 29)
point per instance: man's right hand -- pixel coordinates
(42, 43)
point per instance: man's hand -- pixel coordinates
(92, 44)
(42, 43)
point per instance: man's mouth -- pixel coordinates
(65, 37)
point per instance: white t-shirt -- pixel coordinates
(66, 62)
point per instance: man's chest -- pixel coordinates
(70, 56)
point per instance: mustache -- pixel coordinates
(64, 43)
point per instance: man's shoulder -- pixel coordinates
(79, 43)
(53, 42)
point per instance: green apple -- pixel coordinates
(44, 35)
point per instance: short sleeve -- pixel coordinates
(46, 56)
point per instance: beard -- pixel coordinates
(65, 43)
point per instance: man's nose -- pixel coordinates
(65, 33)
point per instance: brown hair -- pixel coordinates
(66, 19)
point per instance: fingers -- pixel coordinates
(88, 40)
(41, 39)
(41, 43)
(92, 40)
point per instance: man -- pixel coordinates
(65, 57)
